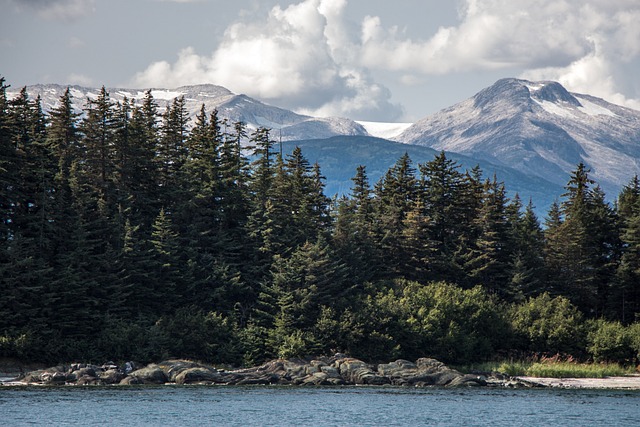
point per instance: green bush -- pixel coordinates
(443, 321)
(546, 324)
(633, 333)
(609, 341)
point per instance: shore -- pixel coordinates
(623, 383)
(338, 370)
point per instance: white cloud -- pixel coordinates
(300, 57)
(579, 43)
(76, 43)
(309, 57)
(58, 9)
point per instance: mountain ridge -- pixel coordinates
(518, 128)
(285, 124)
(539, 128)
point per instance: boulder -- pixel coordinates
(151, 374)
(89, 380)
(198, 375)
(354, 371)
(130, 380)
(112, 376)
(56, 377)
(78, 373)
(173, 368)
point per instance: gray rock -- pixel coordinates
(130, 380)
(198, 375)
(151, 374)
(112, 376)
(357, 372)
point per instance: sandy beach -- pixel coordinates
(623, 383)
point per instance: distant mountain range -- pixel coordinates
(284, 123)
(530, 134)
(540, 129)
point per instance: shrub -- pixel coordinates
(609, 341)
(444, 321)
(546, 324)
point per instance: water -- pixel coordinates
(290, 406)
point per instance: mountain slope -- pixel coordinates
(339, 156)
(284, 123)
(540, 129)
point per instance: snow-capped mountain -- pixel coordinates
(285, 124)
(538, 128)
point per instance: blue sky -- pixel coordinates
(364, 59)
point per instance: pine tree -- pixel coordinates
(171, 152)
(488, 261)
(527, 271)
(141, 185)
(625, 296)
(353, 235)
(395, 193)
(446, 195)
(582, 248)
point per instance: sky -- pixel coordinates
(375, 60)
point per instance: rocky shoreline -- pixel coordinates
(339, 370)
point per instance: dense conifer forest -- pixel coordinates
(129, 233)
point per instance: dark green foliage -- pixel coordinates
(548, 324)
(132, 235)
(610, 342)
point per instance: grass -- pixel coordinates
(552, 369)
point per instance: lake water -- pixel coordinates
(289, 406)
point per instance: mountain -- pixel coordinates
(530, 134)
(285, 124)
(539, 129)
(339, 157)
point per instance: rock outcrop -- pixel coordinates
(321, 371)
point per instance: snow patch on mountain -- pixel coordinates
(285, 124)
(384, 130)
(592, 109)
(539, 128)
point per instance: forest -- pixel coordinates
(130, 233)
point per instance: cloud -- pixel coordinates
(299, 57)
(309, 57)
(80, 79)
(59, 9)
(76, 43)
(578, 43)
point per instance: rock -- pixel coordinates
(338, 370)
(198, 375)
(112, 376)
(54, 377)
(467, 381)
(357, 372)
(130, 380)
(266, 379)
(173, 368)
(89, 380)
(151, 374)
(129, 367)
(74, 375)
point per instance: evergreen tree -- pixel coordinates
(447, 201)
(624, 297)
(171, 152)
(582, 249)
(395, 196)
(141, 185)
(353, 234)
(527, 270)
(489, 260)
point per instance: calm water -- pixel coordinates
(282, 406)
